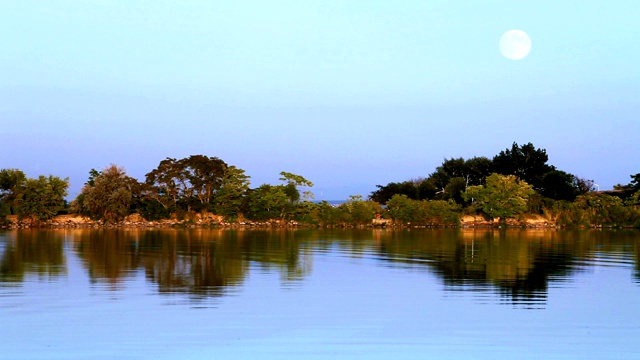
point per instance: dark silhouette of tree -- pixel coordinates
(526, 162)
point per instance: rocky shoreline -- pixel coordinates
(206, 220)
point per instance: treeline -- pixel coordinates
(178, 189)
(516, 182)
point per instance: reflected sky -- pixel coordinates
(510, 265)
(343, 294)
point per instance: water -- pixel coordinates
(317, 294)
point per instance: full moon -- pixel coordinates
(515, 44)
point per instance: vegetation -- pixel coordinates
(503, 196)
(35, 200)
(107, 195)
(515, 183)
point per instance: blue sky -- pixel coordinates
(349, 94)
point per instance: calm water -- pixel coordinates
(310, 294)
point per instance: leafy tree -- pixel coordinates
(230, 196)
(635, 182)
(266, 202)
(40, 199)
(502, 196)
(12, 182)
(634, 200)
(403, 209)
(386, 192)
(526, 162)
(292, 183)
(440, 212)
(583, 186)
(472, 172)
(190, 182)
(162, 183)
(632, 186)
(454, 189)
(327, 214)
(358, 211)
(559, 185)
(108, 194)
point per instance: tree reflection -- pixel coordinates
(199, 262)
(32, 252)
(196, 262)
(518, 265)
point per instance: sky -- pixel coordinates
(348, 94)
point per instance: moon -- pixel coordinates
(515, 44)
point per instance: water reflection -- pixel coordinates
(517, 265)
(40, 253)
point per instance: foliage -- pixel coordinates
(386, 192)
(230, 196)
(292, 184)
(583, 186)
(12, 181)
(107, 195)
(502, 196)
(448, 181)
(559, 185)
(191, 182)
(266, 202)
(358, 211)
(423, 212)
(279, 201)
(525, 162)
(40, 199)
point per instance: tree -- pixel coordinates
(190, 182)
(384, 193)
(358, 211)
(559, 185)
(12, 181)
(108, 194)
(632, 186)
(40, 199)
(230, 196)
(583, 186)
(454, 189)
(526, 162)
(502, 196)
(403, 209)
(266, 202)
(292, 183)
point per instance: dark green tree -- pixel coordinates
(558, 185)
(526, 162)
(386, 192)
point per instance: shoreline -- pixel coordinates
(135, 221)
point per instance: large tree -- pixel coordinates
(40, 199)
(526, 162)
(108, 194)
(501, 197)
(559, 185)
(386, 192)
(191, 182)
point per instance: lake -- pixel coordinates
(319, 294)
